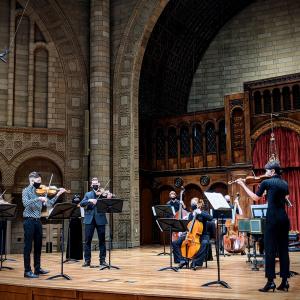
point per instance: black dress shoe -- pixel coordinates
(270, 285)
(284, 286)
(103, 264)
(86, 264)
(182, 264)
(30, 275)
(41, 271)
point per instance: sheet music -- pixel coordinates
(82, 212)
(217, 200)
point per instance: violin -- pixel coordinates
(48, 190)
(251, 180)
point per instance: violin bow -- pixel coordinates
(49, 185)
(104, 188)
(1, 196)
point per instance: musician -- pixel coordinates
(202, 216)
(32, 224)
(3, 225)
(74, 245)
(277, 224)
(93, 219)
(174, 202)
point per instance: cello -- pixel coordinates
(191, 244)
(234, 242)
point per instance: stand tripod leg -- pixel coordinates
(109, 266)
(219, 281)
(171, 266)
(2, 250)
(62, 257)
(164, 253)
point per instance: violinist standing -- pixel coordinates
(204, 217)
(93, 219)
(277, 224)
(32, 224)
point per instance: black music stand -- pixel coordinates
(7, 212)
(172, 225)
(111, 206)
(217, 214)
(75, 214)
(62, 211)
(163, 211)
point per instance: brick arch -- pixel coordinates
(3, 167)
(20, 158)
(286, 123)
(125, 93)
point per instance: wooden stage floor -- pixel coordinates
(139, 278)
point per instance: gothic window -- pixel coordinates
(160, 144)
(257, 103)
(276, 100)
(210, 135)
(197, 139)
(296, 96)
(286, 98)
(184, 141)
(222, 134)
(267, 102)
(40, 101)
(172, 143)
(21, 73)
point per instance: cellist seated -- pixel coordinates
(199, 257)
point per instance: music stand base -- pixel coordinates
(70, 260)
(163, 253)
(58, 276)
(220, 282)
(169, 268)
(8, 268)
(108, 267)
(292, 273)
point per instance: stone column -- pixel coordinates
(100, 111)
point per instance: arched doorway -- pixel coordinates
(191, 191)
(219, 187)
(51, 231)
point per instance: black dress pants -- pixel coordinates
(32, 233)
(277, 239)
(89, 232)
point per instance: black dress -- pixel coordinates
(75, 247)
(2, 236)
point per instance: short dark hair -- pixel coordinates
(274, 165)
(34, 175)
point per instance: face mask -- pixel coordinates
(194, 206)
(95, 187)
(36, 184)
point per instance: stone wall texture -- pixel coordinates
(260, 42)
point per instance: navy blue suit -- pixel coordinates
(92, 220)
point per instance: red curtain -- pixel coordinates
(288, 148)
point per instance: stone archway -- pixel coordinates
(125, 110)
